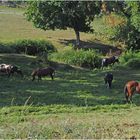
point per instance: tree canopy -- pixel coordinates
(129, 32)
(77, 15)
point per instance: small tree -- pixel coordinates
(63, 14)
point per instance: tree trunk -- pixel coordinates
(77, 38)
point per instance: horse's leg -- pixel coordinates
(39, 78)
(109, 83)
(127, 98)
(51, 76)
(8, 72)
(131, 99)
(33, 78)
(126, 91)
(130, 94)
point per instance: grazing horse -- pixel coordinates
(109, 61)
(108, 79)
(130, 88)
(42, 73)
(10, 69)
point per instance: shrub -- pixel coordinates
(133, 63)
(79, 57)
(33, 47)
(126, 56)
(4, 48)
(30, 47)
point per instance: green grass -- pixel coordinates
(71, 87)
(120, 124)
(76, 102)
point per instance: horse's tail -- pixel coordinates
(125, 90)
(126, 93)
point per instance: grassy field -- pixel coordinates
(75, 105)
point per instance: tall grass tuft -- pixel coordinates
(79, 57)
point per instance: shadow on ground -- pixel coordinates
(71, 86)
(102, 48)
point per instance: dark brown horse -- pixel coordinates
(130, 88)
(42, 73)
(10, 69)
(109, 61)
(108, 79)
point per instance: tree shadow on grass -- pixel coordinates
(71, 86)
(102, 48)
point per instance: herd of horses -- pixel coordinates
(130, 88)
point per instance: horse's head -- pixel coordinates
(15, 69)
(34, 73)
(117, 59)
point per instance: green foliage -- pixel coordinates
(133, 39)
(79, 57)
(134, 10)
(62, 14)
(31, 47)
(5, 48)
(127, 31)
(133, 63)
(129, 55)
(77, 15)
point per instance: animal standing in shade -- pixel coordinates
(42, 73)
(130, 88)
(10, 69)
(109, 61)
(108, 79)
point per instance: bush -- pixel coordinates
(30, 47)
(133, 63)
(88, 58)
(33, 47)
(126, 56)
(4, 48)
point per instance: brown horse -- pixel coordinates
(42, 73)
(130, 88)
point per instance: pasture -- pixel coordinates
(75, 105)
(75, 102)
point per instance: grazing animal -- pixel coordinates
(108, 79)
(10, 69)
(109, 61)
(42, 73)
(130, 88)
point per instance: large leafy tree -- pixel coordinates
(77, 15)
